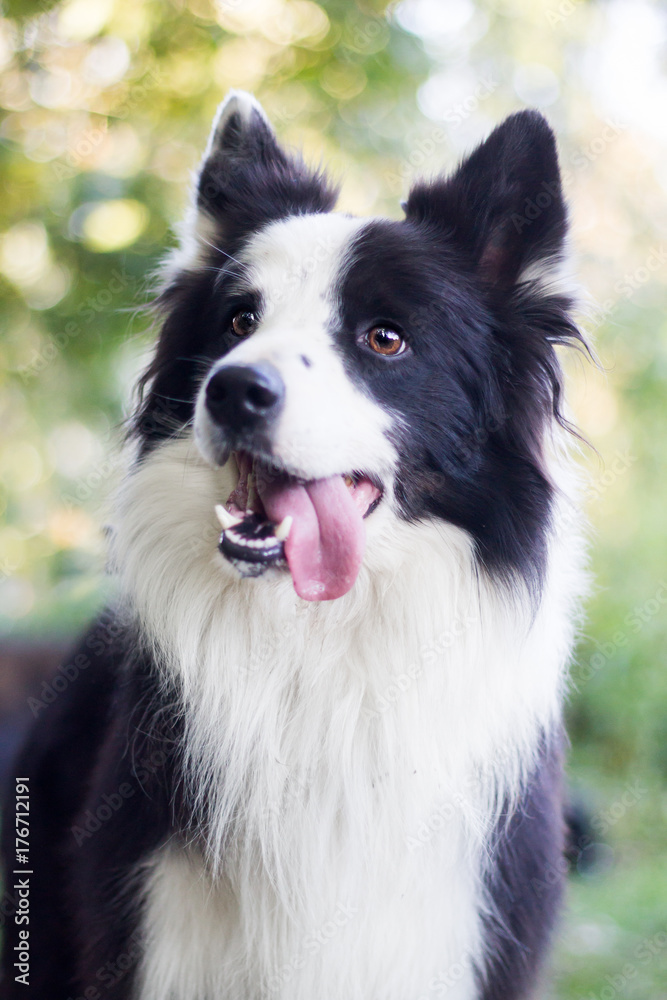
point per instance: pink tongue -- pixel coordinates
(326, 542)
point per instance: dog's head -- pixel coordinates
(356, 365)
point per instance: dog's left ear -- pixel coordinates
(246, 177)
(504, 205)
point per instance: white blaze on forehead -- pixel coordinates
(296, 261)
(328, 424)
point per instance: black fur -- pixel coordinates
(105, 791)
(525, 881)
(55, 759)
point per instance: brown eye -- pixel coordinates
(383, 340)
(243, 323)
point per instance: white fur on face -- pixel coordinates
(327, 425)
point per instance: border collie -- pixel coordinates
(314, 750)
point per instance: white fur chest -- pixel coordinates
(352, 755)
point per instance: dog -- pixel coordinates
(314, 747)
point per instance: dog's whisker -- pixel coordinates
(219, 250)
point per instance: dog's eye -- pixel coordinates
(383, 340)
(243, 323)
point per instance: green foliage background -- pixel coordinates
(106, 107)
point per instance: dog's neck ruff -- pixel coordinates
(323, 739)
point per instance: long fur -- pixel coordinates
(322, 742)
(356, 799)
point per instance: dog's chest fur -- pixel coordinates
(350, 792)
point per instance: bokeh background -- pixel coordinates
(105, 110)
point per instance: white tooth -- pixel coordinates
(226, 519)
(283, 529)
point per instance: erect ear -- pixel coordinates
(504, 205)
(246, 178)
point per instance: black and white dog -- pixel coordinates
(314, 750)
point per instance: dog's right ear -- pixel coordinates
(247, 179)
(503, 207)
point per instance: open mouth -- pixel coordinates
(315, 528)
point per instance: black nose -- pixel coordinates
(244, 397)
